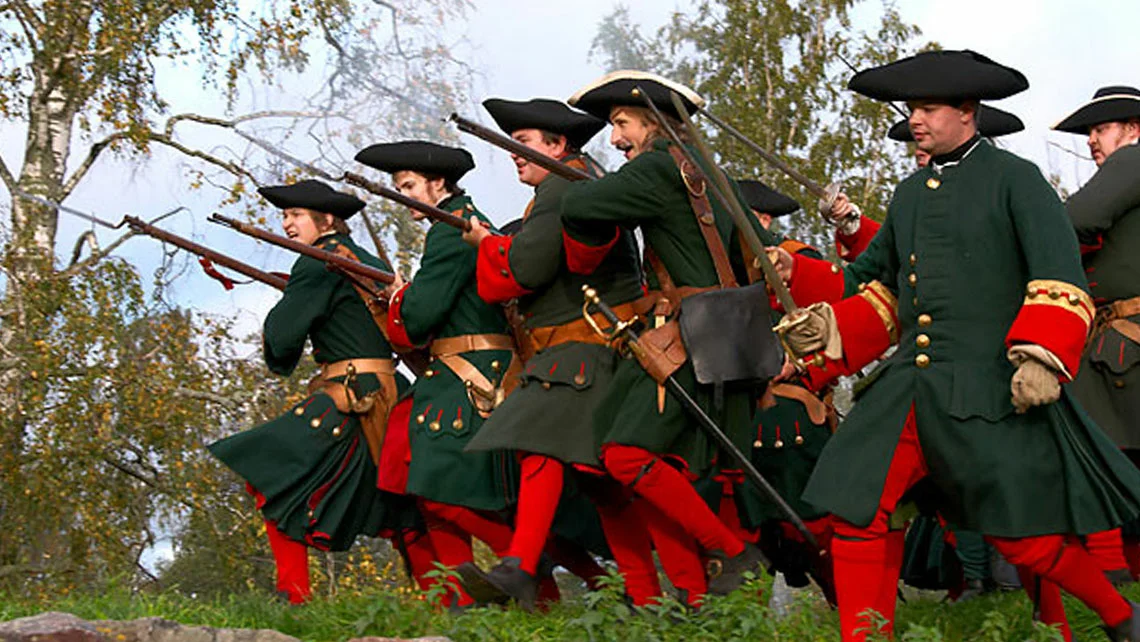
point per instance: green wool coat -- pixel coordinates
(648, 193)
(443, 301)
(551, 411)
(1106, 213)
(977, 238)
(312, 463)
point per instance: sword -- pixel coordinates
(70, 210)
(619, 328)
(826, 194)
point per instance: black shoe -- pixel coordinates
(972, 589)
(1119, 577)
(475, 582)
(508, 581)
(1128, 630)
(726, 574)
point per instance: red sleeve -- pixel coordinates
(496, 282)
(1056, 316)
(582, 258)
(397, 334)
(850, 247)
(813, 280)
(868, 324)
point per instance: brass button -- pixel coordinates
(336, 431)
(818, 361)
(495, 365)
(862, 287)
(434, 426)
(757, 444)
(913, 260)
(1030, 291)
(924, 320)
(799, 440)
(315, 423)
(922, 341)
(834, 269)
(1054, 294)
(579, 379)
(933, 183)
(429, 373)
(457, 424)
(299, 411)
(397, 322)
(912, 279)
(707, 219)
(546, 385)
(1119, 383)
(914, 301)
(1074, 299)
(779, 443)
(420, 419)
(922, 360)
(504, 272)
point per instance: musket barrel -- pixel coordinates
(518, 149)
(341, 262)
(142, 227)
(432, 212)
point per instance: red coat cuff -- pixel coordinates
(397, 333)
(868, 323)
(496, 282)
(814, 280)
(851, 246)
(584, 259)
(1056, 316)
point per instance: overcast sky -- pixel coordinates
(529, 49)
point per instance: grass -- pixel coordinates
(593, 617)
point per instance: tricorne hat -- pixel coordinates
(992, 123)
(617, 89)
(548, 115)
(312, 195)
(940, 75)
(418, 156)
(1108, 104)
(766, 200)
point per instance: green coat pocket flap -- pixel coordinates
(981, 390)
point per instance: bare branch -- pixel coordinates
(232, 168)
(245, 118)
(6, 176)
(231, 403)
(92, 154)
(95, 257)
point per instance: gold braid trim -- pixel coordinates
(885, 305)
(1061, 295)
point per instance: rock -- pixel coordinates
(50, 627)
(65, 627)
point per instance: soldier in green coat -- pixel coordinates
(649, 442)
(975, 274)
(549, 417)
(1106, 216)
(313, 469)
(461, 495)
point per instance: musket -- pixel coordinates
(619, 328)
(430, 211)
(336, 261)
(140, 226)
(518, 149)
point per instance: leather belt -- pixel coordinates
(1124, 307)
(580, 331)
(362, 366)
(470, 343)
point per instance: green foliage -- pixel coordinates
(599, 616)
(773, 69)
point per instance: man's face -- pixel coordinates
(1106, 138)
(764, 218)
(939, 128)
(529, 173)
(921, 158)
(417, 186)
(630, 132)
(299, 225)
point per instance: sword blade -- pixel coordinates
(817, 190)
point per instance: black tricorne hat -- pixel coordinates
(617, 88)
(511, 228)
(766, 200)
(1108, 104)
(418, 156)
(543, 113)
(940, 75)
(992, 123)
(312, 195)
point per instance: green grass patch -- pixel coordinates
(593, 617)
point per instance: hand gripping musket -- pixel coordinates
(826, 194)
(140, 226)
(335, 261)
(518, 149)
(627, 330)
